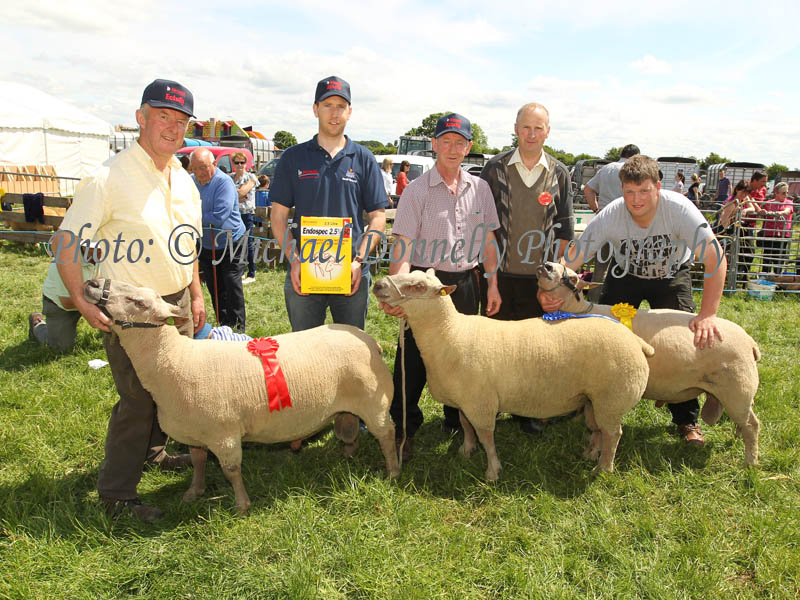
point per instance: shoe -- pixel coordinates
(134, 507)
(181, 462)
(408, 448)
(34, 319)
(530, 425)
(691, 434)
(247, 280)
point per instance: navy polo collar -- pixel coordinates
(349, 147)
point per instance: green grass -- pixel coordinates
(671, 522)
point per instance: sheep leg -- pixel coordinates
(609, 441)
(749, 431)
(592, 451)
(229, 453)
(198, 487)
(486, 436)
(389, 453)
(469, 435)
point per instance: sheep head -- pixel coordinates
(416, 285)
(129, 303)
(562, 282)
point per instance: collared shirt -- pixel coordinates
(220, 210)
(448, 229)
(138, 212)
(318, 185)
(607, 184)
(779, 226)
(529, 176)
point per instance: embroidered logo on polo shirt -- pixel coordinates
(309, 174)
(350, 176)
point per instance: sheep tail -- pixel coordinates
(646, 348)
(756, 352)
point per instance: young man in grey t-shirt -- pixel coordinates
(654, 235)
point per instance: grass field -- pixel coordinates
(671, 522)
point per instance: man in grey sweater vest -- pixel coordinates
(533, 197)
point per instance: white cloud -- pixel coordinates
(650, 65)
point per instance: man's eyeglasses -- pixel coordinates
(239, 162)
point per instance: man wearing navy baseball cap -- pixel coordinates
(444, 204)
(138, 199)
(328, 176)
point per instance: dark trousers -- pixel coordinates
(518, 295)
(775, 252)
(227, 294)
(465, 298)
(134, 437)
(675, 293)
(247, 219)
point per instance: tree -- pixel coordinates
(377, 147)
(614, 153)
(479, 142)
(284, 139)
(713, 159)
(775, 169)
(428, 126)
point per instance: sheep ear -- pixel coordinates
(431, 272)
(446, 290)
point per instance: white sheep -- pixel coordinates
(679, 371)
(212, 395)
(532, 368)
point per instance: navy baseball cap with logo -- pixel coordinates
(163, 93)
(454, 123)
(332, 86)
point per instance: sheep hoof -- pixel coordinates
(243, 510)
(350, 449)
(492, 475)
(193, 494)
(465, 450)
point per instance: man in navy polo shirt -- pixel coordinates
(221, 217)
(328, 176)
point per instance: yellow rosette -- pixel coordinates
(625, 313)
(2, 192)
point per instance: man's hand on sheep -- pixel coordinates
(705, 328)
(93, 315)
(548, 302)
(392, 311)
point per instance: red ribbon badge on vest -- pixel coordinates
(277, 391)
(545, 198)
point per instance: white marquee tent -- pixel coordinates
(39, 129)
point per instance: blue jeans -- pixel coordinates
(306, 312)
(247, 219)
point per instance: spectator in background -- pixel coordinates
(776, 229)
(402, 177)
(723, 188)
(222, 226)
(694, 190)
(679, 182)
(184, 161)
(246, 188)
(736, 210)
(60, 329)
(263, 183)
(386, 173)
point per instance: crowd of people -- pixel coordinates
(143, 192)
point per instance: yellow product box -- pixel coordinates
(325, 248)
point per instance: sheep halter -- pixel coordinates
(277, 390)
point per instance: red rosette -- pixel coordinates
(545, 198)
(277, 390)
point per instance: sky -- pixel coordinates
(677, 79)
